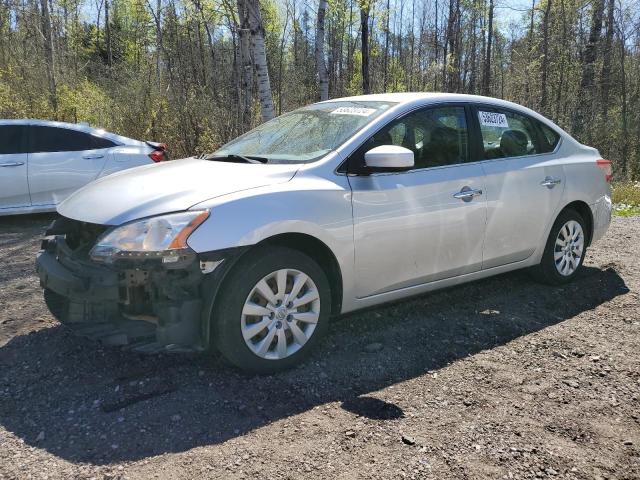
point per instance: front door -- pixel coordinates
(14, 189)
(426, 223)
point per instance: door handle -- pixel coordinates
(11, 164)
(92, 157)
(467, 194)
(550, 182)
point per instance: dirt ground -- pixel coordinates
(501, 378)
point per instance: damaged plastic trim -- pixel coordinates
(143, 304)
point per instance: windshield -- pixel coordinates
(306, 134)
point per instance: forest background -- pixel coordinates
(196, 73)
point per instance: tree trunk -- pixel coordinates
(486, 77)
(588, 69)
(527, 74)
(159, 41)
(364, 27)
(625, 132)
(49, 55)
(107, 28)
(385, 77)
(246, 68)
(321, 67)
(210, 41)
(435, 49)
(545, 58)
(474, 47)
(259, 49)
(454, 48)
(606, 60)
(281, 61)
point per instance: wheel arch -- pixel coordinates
(320, 253)
(585, 212)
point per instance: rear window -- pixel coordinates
(12, 139)
(550, 138)
(55, 139)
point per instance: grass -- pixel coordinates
(626, 199)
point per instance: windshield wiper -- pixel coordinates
(236, 158)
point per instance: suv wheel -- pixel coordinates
(565, 250)
(272, 310)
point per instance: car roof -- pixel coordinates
(426, 97)
(98, 132)
(407, 100)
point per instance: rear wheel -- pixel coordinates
(272, 310)
(565, 250)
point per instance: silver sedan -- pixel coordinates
(334, 207)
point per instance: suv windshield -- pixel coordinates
(306, 134)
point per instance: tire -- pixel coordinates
(555, 257)
(244, 294)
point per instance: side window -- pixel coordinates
(549, 140)
(437, 137)
(13, 139)
(54, 139)
(508, 134)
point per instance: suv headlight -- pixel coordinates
(164, 236)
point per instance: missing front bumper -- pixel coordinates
(147, 310)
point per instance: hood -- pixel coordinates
(166, 187)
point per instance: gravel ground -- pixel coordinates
(501, 378)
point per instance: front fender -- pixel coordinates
(312, 206)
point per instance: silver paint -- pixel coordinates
(393, 235)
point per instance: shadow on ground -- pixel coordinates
(65, 394)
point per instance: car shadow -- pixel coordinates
(85, 403)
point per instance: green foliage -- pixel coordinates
(627, 193)
(85, 102)
(626, 211)
(155, 73)
(626, 199)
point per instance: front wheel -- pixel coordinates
(565, 250)
(272, 310)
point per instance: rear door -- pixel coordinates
(61, 160)
(14, 188)
(525, 181)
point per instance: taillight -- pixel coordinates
(159, 153)
(607, 169)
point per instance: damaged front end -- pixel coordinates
(142, 301)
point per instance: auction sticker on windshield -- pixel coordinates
(359, 111)
(492, 119)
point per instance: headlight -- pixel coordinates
(164, 236)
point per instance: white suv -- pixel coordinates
(42, 162)
(333, 207)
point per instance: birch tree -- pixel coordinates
(259, 51)
(49, 54)
(321, 66)
(245, 62)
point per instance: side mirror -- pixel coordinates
(389, 156)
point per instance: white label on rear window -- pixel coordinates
(492, 119)
(359, 111)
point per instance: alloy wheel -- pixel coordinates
(569, 248)
(280, 314)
